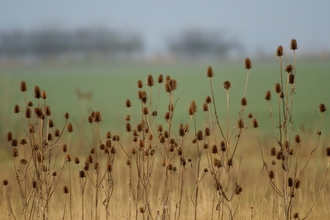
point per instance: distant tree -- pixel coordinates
(199, 43)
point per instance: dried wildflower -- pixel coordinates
(293, 44)
(44, 94)
(23, 86)
(273, 151)
(290, 182)
(139, 84)
(327, 151)
(279, 51)
(208, 99)
(108, 135)
(70, 127)
(48, 110)
(97, 117)
(297, 184)
(16, 109)
(296, 215)
(243, 101)
(199, 135)
(128, 127)
(268, 95)
(57, 133)
(223, 146)
(76, 160)
(66, 115)
(230, 162)
(65, 189)
(322, 108)
(207, 132)
(14, 152)
(150, 80)
(82, 174)
(9, 136)
(291, 78)
(271, 174)
(160, 78)
(37, 92)
(128, 103)
(297, 139)
(14, 143)
(209, 72)
(50, 123)
(217, 163)
(227, 85)
(38, 112)
(23, 141)
(278, 88)
(145, 110)
(5, 182)
(248, 64)
(255, 123)
(240, 123)
(289, 68)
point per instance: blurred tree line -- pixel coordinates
(54, 42)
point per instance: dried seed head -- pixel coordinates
(64, 148)
(142, 96)
(297, 184)
(109, 167)
(230, 162)
(168, 116)
(227, 85)
(273, 151)
(5, 182)
(273, 162)
(50, 123)
(23, 141)
(268, 95)
(38, 112)
(97, 117)
(145, 110)
(128, 163)
(322, 108)
(279, 155)
(248, 64)
(44, 94)
(37, 92)
(271, 174)
(82, 174)
(50, 137)
(181, 131)
(209, 72)
(240, 123)
(154, 113)
(68, 158)
(278, 88)
(170, 107)
(128, 103)
(290, 182)
(206, 146)
(23, 86)
(48, 111)
(223, 146)
(70, 127)
(208, 99)
(65, 189)
(16, 109)
(30, 104)
(150, 80)
(255, 123)
(238, 190)
(160, 78)
(108, 135)
(327, 151)
(57, 133)
(139, 84)
(243, 101)
(279, 51)
(297, 139)
(293, 44)
(128, 127)
(76, 160)
(116, 138)
(217, 163)
(173, 84)
(166, 134)
(296, 215)
(205, 107)
(66, 115)
(14, 152)
(291, 78)
(160, 128)
(9, 136)
(289, 68)
(90, 119)
(199, 135)
(207, 132)
(142, 210)
(14, 143)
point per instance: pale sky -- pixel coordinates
(257, 24)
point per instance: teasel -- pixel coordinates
(139, 84)
(66, 115)
(65, 189)
(322, 108)
(291, 78)
(279, 51)
(14, 143)
(128, 127)
(209, 72)
(273, 151)
(268, 95)
(50, 123)
(57, 133)
(150, 80)
(97, 117)
(327, 151)
(38, 112)
(82, 174)
(44, 94)
(160, 79)
(76, 160)
(70, 127)
(255, 123)
(217, 163)
(271, 174)
(243, 101)
(108, 135)
(289, 68)
(223, 146)
(9, 136)
(297, 139)
(16, 109)
(205, 107)
(37, 92)
(208, 99)
(23, 86)
(293, 44)
(290, 182)
(227, 85)
(48, 111)
(248, 64)
(128, 103)
(278, 88)
(240, 123)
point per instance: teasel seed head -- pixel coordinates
(167, 87)
(209, 72)
(160, 128)
(290, 182)
(66, 115)
(268, 95)
(207, 132)
(5, 182)
(65, 189)
(128, 103)
(109, 167)
(327, 151)
(9, 136)
(230, 162)
(169, 166)
(181, 131)
(142, 210)
(296, 215)
(227, 85)
(166, 134)
(49, 137)
(238, 190)
(279, 51)
(68, 158)
(82, 174)
(145, 110)
(255, 123)
(23, 86)
(160, 78)
(297, 184)
(108, 135)
(271, 174)
(97, 117)
(23, 141)
(173, 84)
(243, 101)
(37, 92)
(291, 78)
(86, 166)
(30, 104)
(206, 146)
(223, 146)
(48, 111)
(289, 68)
(297, 139)
(128, 163)
(38, 112)
(240, 123)
(273, 151)
(128, 127)
(44, 94)
(278, 88)
(70, 127)
(50, 123)
(322, 108)
(116, 138)
(293, 44)
(217, 163)
(14, 143)
(150, 80)
(64, 148)
(248, 64)
(208, 99)
(14, 152)
(57, 133)
(279, 155)
(16, 109)
(133, 150)
(199, 135)
(168, 116)
(90, 119)
(205, 107)
(139, 84)
(76, 160)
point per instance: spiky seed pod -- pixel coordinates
(76, 160)
(86, 167)
(128, 127)
(327, 151)
(273, 151)
(268, 95)
(291, 78)
(141, 143)
(248, 64)
(243, 101)
(160, 78)
(128, 163)
(5, 182)
(216, 162)
(37, 92)
(90, 119)
(166, 134)
(205, 170)
(82, 174)
(152, 152)
(290, 182)
(127, 118)
(205, 107)
(293, 44)
(64, 148)
(70, 127)
(322, 108)
(191, 110)
(14, 152)
(14, 143)
(38, 112)
(23, 141)
(150, 80)
(142, 210)
(289, 68)
(173, 84)
(297, 139)
(128, 103)
(116, 138)
(255, 123)
(108, 135)
(48, 111)
(238, 190)
(223, 146)
(279, 155)
(31, 129)
(230, 162)
(16, 109)
(23, 86)
(291, 152)
(50, 123)
(30, 104)
(199, 135)
(139, 84)
(90, 159)
(167, 78)
(271, 174)
(240, 123)
(209, 72)
(167, 87)
(181, 132)
(154, 113)
(65, 189)
(57, 133)
(9, 136)
(207, 132)
(214, 149)
(208, 99)
(170, 107)
(279, 51)
(296, 215)
(68, 158)
(109, 167)
(97, 117)
(169, 166)
(44, 94)
(145, 110)
(66, 115)
(50, 137)
(227, 85)
(206, 146)
(168, 116)
(297, 184)
(278, 88)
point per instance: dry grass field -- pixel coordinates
(206, 157)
